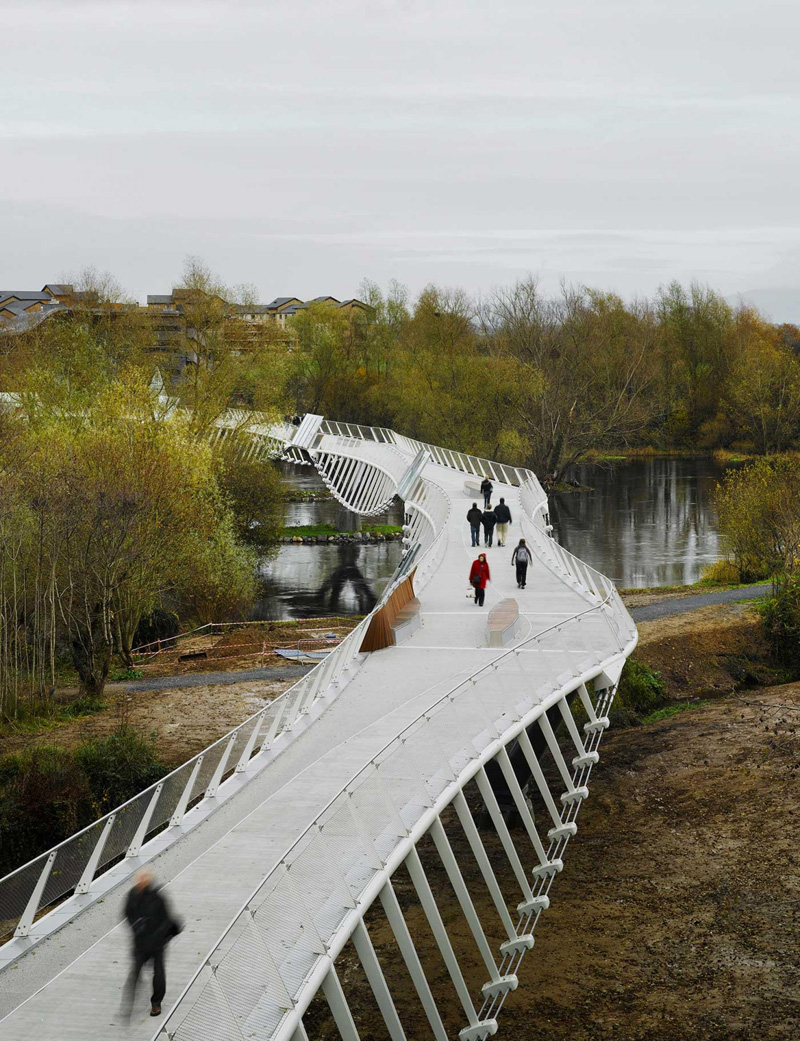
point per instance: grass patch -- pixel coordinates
(667, 711)
(314, 530)
(126, 674)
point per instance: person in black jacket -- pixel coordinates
(153, 927)
(487, 488)
(521, 557)
(503, 514)
(474, 517)
(488, 520)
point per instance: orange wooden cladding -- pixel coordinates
(379, 634)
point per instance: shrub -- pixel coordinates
(48, 793)
(640, 692)
(158, 625)
(780, 615)
(44, 797)
(118, 767)
(721, 573)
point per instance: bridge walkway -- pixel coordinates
(70, 986)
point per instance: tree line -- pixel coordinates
(117, 498)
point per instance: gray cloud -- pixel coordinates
(305, 145)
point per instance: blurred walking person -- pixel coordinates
(474, 517)
(521, 557)
(153, 926)
(487, 488)
(488, 520)
(503, 514)
(478, 577)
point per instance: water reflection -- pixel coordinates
(645, 523)
(315, 581)
(312, 581)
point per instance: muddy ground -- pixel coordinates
(677, 915)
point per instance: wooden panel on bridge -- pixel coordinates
(399, 610)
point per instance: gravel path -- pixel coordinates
(690, 603)
(203, 679)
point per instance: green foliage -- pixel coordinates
(780, 615)
(640, 692)
(721, 573)
(671, 710)
(118, 767)
(759, 516)
(118, 675)
(49, 793)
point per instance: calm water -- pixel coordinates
(645, 523)
(314, 581)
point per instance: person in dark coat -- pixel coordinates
(153, 927)
(503, 514)
(474, 517)
(521, 557)
(488, 520)
(478, 577)
(487, 488)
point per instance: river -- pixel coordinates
(644, 522)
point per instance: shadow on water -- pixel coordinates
(645, 522)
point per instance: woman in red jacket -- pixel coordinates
(478, 577)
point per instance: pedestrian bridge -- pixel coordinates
(276, 841)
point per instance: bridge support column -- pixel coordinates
(342, 1016)
(347, 520)
(398, 926)
(572, 794)
(529, 901)
(377, 981)
(545, 866)
(497, 984)
(476, 1028)
(514, 942)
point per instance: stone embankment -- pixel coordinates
(359, 537)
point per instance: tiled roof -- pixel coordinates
(23, 294)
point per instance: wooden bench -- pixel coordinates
(503, 621)
(407, 621)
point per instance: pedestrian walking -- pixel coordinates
(153, 926)
(487, 488)
(503, 515)
(521, 557)
(478, 577)
(474, 517)
(488, 520)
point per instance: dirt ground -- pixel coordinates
(182, 721)
(677, 915)
(712, 650)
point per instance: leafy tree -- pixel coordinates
(759, 516)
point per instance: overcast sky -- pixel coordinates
(303, 146)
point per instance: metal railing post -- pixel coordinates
(28, 915)
(144, 823)
(91, 866)
(183, 802)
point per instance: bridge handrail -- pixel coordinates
(348, 795)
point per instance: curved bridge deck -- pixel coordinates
(69, 986)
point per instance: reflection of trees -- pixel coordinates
(347, 571)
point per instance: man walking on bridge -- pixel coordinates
(503, 514)
(521, 557)
(153, 927)
(474, 517)
(487, 488)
